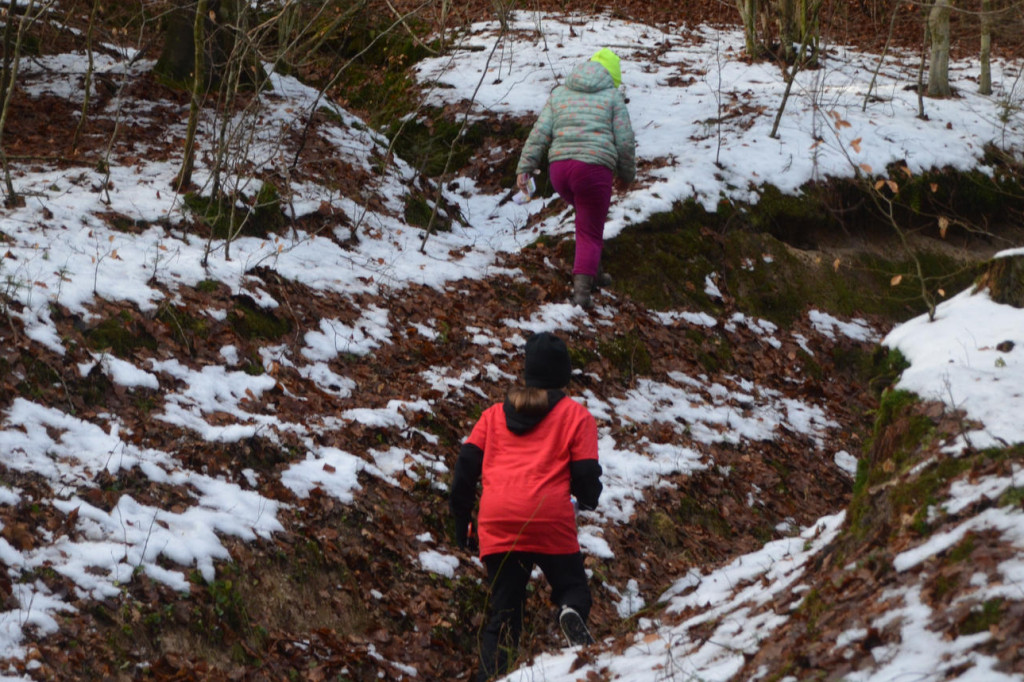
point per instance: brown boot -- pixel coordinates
(581, 288)
(602, 280)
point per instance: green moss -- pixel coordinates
(754, 253)
(254, 369)
(905, 432)
(790, 216)
(690, 511)
(266, 217)
(887, 366)
(944, 585)
(121, 334)
(995, 195)
(860, 480)
(253, 322)
(428, 141)
(892, 404)
(227, 219)
(711, 350)
(1013, 497)
(664, 529)
(811, 608)
(418, 211)
(581, 356)
(784, 472)
(664, 261)
(184, 326)
(38, 376)
(912, 496)
(228, 603)
(145, 404)
(223, 219)
(982, 618)
(208, 286)
(812, 368)
(963, 550)
(627, 353)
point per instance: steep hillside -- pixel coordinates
(228, 458)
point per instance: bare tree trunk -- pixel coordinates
(748, 15)
(179, 58)
(920, 76)
(184, 178)
(13, 40)
(788, 31)
(791, 72)
(446, 6)
(881, 58)
(985, 79)
(938, 66)
(87, 84)
(7, 76)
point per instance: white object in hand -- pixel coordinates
(521, 197)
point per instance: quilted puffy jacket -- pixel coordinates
(585, 119)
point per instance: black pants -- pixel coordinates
(508, 575)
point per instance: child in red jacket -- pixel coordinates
(533, 452)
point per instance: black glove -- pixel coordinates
(462, 532)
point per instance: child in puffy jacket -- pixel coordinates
(585, 130)
(533, 452)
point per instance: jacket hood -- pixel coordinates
(589, 77)
(610, 61)
(521, 423)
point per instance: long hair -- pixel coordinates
(528, 399)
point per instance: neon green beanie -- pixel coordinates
(610, 61)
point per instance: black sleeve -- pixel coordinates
(462, 497)
(586, 483)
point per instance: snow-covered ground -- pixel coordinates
(58, 250)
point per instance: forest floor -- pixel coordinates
(344, 602)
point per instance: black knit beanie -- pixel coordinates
(547, 361)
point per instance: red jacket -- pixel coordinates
(530, 465)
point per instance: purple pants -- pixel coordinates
(587, 187)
